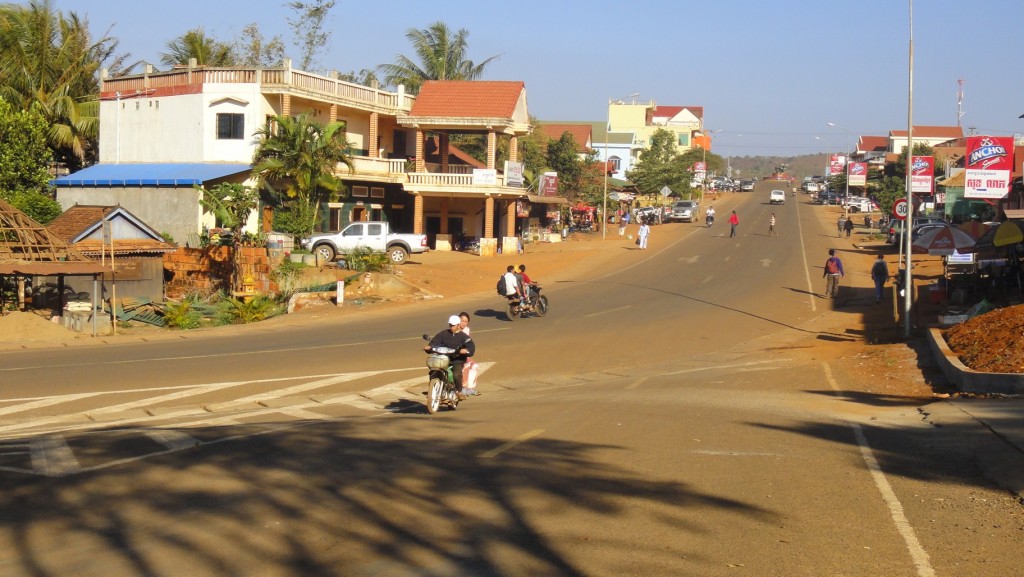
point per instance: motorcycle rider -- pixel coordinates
(709, 218)
(454, 338)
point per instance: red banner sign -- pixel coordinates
(549, 184)
(836, 163)
(857, 174)
(989, 163)
(922, 174)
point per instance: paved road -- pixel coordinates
(662, 420)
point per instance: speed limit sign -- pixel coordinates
(900, 209)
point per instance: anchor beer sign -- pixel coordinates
(857, 173)
(922, 174)
(988, 166)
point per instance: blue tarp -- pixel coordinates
(145, 174)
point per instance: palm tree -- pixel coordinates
(299, 156)
(196, 44)
(442, 56)
(49, 62)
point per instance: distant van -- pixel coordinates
(777, 197)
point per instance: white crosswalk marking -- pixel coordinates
(175, 440)
(52, 457)
(151, 417)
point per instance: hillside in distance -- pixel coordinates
(761, 166)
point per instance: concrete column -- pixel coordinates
(374, 135)
(418, 224)
(510, 219)
(286, 105)
(442, 144)
(332, 116)
(444, 215)
(513, 149)
(443, 240)
(421, 163)
(492, 147)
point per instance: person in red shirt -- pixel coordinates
(733, 222)
(527, 290)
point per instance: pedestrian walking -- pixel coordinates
(879, 274)
(848, 227)
(623, 221)
(839, 226)
(771, 226)
(642, 234)
(734, 221)
(833, 272)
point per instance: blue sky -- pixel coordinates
(769, 74)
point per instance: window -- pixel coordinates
(360, 191)
(377, 192)
(684, 139)
(374, 230)
(230, 126)
(615, 163)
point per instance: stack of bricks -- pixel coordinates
(207, 270)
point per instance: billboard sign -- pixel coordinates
(485, 176)
(922, 174)
(549, 184)
(857, 174)
(836, 163)
(513, 173)
(988, 166)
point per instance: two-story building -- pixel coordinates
(163, 132)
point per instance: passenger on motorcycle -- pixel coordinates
(454, 338)
(527, 285)
(709, 219)
(512, 290)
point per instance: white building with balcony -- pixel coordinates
(163, 132)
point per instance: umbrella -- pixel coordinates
(974, 228)
(943, 240)
(1003, 234)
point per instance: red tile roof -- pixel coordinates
(672, 111)
(583, 133)
(949, 132)
(467, 98)
(873, 144)
(76, 219)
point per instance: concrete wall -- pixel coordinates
(173, 210)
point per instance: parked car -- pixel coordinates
(777, 197)
(827, 197)
(895, 234)
(376, 236)
(861, 204)
(684, 211)
(923, 228)
(811, 186)
(747, 185)
(648, 214)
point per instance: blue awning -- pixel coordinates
(164, 174)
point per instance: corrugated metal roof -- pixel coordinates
(150, 174)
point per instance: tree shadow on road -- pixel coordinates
(341, 498)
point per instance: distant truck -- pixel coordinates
(376, 236)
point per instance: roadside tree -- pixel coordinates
(207, 51)
(309, 30)
(24, 160)
(440, 55)
(296, 163)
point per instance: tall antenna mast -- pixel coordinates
(959, 100)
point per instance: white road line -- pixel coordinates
(175, 440)
(38, 404)
(807, 271)
(302, 414)
(636, 383)
(604, 312)
(917, 552)
(52, 457)
(289, 391)
(510, 444)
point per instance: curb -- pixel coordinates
(967, 379)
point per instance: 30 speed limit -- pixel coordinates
(900, 209)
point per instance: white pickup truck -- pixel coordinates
(375, 236)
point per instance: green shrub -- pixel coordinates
(287, 275)
(182, 315)
(364, 259)
(243, 311)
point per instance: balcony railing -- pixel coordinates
(368, 165)
(314, 85)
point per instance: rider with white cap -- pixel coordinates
(455, 339)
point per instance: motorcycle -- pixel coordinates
(441, 388)
(709, 220)
(537, 303)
